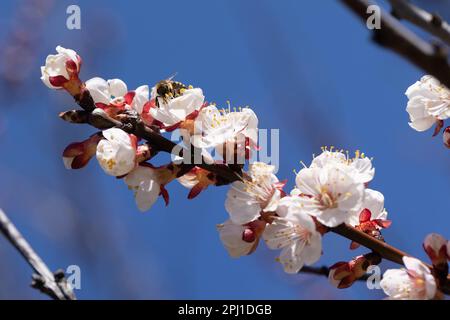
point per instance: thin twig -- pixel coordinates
(432, 23)
(44, 280)
(385, 250)
(432, 58)
(324, 271)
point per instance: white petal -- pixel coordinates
(231, 237)
(99, 90)
(117, 88)
(396, 284)
(374, 201)
(116, 154)
(415, 265)
(241, 206)
(144, 183)
(141, 97)
(68, 162)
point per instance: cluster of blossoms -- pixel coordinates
(428, 105)
(330, 192)
(416, 281)
(166, 107)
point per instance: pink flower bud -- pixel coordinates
(61, 71)
(344, 274)
(446, 137)
(436, 248)
(341, 275)
(77, 154)
(248, 235)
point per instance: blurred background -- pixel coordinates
(307, 68)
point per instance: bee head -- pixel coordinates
(164, 87)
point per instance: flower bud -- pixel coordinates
(446, 137)
(61, 71)
(436, 248)
(344, 274)
(240, 240)
(77, 154)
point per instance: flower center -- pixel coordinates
(303, 233)
(326, 199)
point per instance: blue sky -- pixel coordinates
(307, 68)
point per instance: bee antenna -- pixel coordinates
(172, 76)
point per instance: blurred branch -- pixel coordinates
(432, 23)
(432, 58)
(54, 285)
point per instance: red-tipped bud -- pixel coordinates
(435, 246)
(61, 71)
(446, 137)
(340, 275)
(344, 274)
(77, 154)
(197, 180)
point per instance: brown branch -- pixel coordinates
(393, 35)
(54, 285)
(385, 250)
(101, 120)
(324, 271)
(432, 23)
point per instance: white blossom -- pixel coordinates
(145, 183)
(429, 101)
(259, 193)
(295, 233)
(59, 67)
(360, 166)
(116, 153)
(240, 240)
(177, 109)
(413, 283)
(105, 91)
(214, 128)
(331, 194)
(374, 202)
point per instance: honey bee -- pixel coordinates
(168, 89)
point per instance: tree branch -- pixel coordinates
(385, 250)
(54, 285)
(101, 120)
(324, 271)
(432, 23)
(396, 37)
